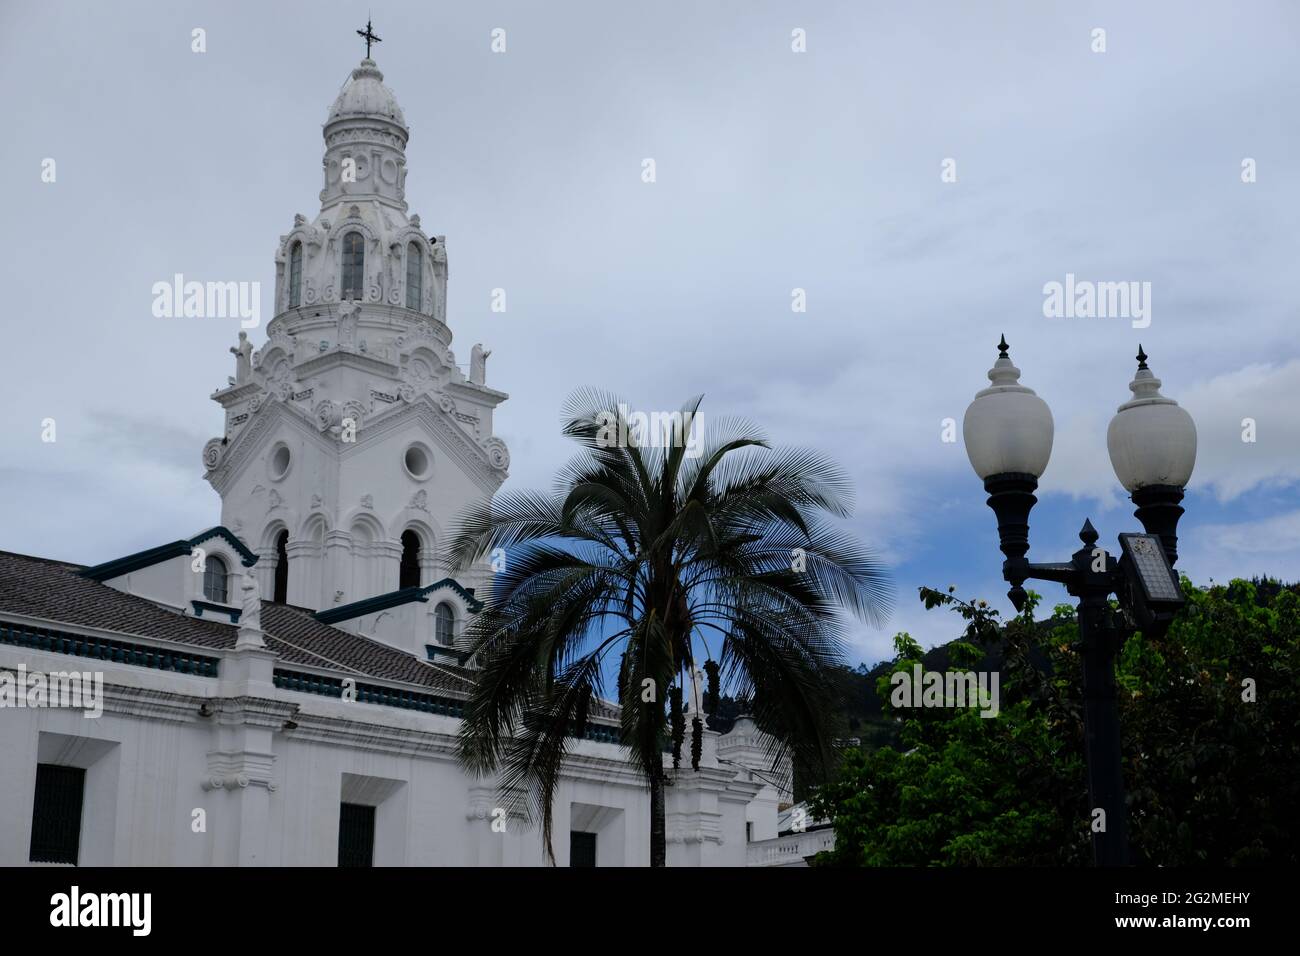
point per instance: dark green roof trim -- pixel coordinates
(380, 602)
(247, 557)
(369, 693)
(144, 559)
(466, 594)
(434, 651)
(306, 683)
(104, 649)
(226, 609)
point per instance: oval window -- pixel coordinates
(281, 459)
(417, 461)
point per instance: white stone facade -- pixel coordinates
(352, 425)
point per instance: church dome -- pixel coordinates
(365, 95)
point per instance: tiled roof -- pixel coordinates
(56, 591)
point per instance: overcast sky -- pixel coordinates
(776, 170)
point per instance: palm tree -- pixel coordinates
(664, 553)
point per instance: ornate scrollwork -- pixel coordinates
(355, 411)
(327, 414)
(498, 454)
(212, 453)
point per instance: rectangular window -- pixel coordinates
(749, 831)
(582, 848)
(356, 835)
(295, 275)
(56, 814)
(414, 276)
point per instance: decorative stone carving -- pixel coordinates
(420, 500)
(274, 500)
(250, 618)
(349, 315)
(212, 453)
(447, 404)
(478, 364)
(355, 411)
(315, 502)
(243, 358)
(498, 453)
(368, 501)
(327, 414)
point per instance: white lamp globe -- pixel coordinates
(1008, 429)
(1151, 439)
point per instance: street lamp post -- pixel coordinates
(1008, 432)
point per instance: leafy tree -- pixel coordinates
(658, 561)
(1212, 776)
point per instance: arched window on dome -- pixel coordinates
(214, 579)
(444, 621)
(414, 276)
(295, 275)
(354, 265)
(408, 574)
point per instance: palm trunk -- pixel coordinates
(658, 831)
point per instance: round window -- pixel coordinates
(280, 461)
(417, 461)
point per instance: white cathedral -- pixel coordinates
(283, 689)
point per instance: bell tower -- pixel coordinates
(352, 437)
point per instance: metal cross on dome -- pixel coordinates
(369, 35)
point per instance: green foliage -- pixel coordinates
(1211, 777)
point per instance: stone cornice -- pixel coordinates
(337, 357)
(478, 394)
(150, 704)
(234, 394)
(265, 712)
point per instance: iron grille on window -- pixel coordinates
(356, 835)
(56, 814)
(582, 848)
